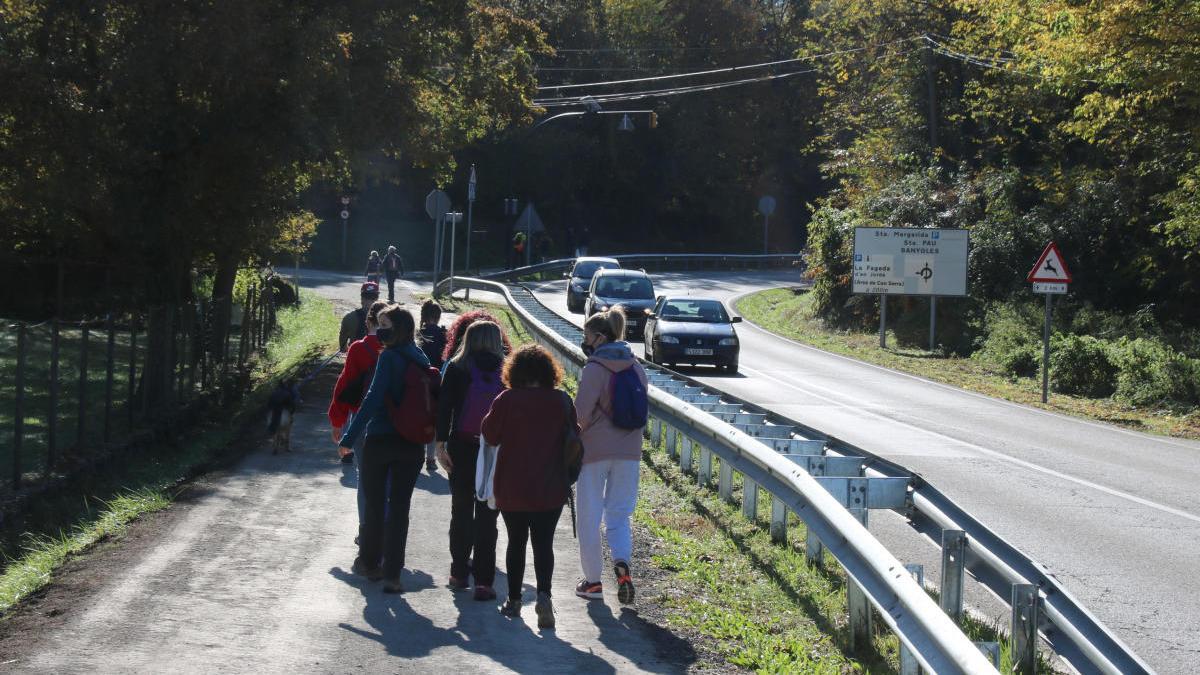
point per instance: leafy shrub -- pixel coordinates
(830, 246)
(1151, 373)
(1013, 340)
(1081, 365)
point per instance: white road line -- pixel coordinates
(986, 451)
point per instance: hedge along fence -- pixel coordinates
(71, 392)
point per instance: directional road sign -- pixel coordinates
(1050, 267)
(766, 205)
(910, 261)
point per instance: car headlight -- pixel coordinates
(729, 342)
(668, 340)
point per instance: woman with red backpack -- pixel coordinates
(472, 380)
(391, 461)
(612, 405)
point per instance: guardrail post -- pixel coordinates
(908, 662)
(672, 450)
(749, 498)
(52, 415)
(779, 518)
(656, 432)
(1026, 604)
(954, 549)
(725, 481)
(813, 551)
(81, 423)
(857, 604)
(109, 355)
(19, 407)
(685, 454)
(992, 651)
(704, 475)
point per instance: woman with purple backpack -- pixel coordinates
(612, 406)
(472, 380)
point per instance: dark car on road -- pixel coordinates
(629, 290)
(579, 279)
(692, 331)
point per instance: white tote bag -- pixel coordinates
(485, 473)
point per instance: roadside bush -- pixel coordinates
(958, 324)
(1151, 373)
(1013, 341)
(1081, 365)
(830, 246)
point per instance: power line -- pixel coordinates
(730, 69)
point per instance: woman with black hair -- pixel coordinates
(386, 451)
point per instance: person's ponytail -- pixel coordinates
(610, 323)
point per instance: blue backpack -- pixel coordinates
(630, 403)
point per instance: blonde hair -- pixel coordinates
(610, 323)
(481, 336)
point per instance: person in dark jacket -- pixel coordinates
(354, 323)
(433, 343)
(386, 452)
(374, 267)
(393, 266)
(530, 483)
(471, 382)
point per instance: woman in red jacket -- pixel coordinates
(352, 384)
(530, 484)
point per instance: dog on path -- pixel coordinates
(282, 405)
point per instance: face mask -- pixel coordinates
(588, 350)
(384, 335)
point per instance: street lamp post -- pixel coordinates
(470, 227)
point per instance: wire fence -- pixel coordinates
(72, 392)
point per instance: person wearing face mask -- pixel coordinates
(390, 463)
(609, 388)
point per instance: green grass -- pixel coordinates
(789, 314)
(99, 506)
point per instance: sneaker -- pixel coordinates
(625, 590)
(483, 593)
(511, 608)
(431, 465)
(457, 584)
(393, 586)
(545, 611)
(362, 570)
(348, 458)
(590, 590)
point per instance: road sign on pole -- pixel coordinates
(766, 206)
(1050, 277)
(1050, 267)
(437, 203)
(470, 209)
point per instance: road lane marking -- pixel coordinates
(987, 451)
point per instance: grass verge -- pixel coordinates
(790, 315)
(100, 507)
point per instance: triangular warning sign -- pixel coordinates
(1050, 266)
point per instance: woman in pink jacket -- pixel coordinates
(608, 483)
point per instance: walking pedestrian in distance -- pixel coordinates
(612, 407)
(374, 267)
(349, 391)
(354, 323)
(433, 343)
(528, 421)
(471, 383)
(386, 454)
(393, 266)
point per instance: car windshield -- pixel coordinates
(586, 270)
(625, 288)
(699, 311)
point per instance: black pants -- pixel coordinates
(523, 526)
(391, 279)
(472, 523)
(385, 508)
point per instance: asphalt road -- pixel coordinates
(1113, 513)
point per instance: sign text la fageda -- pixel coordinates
(910, 261)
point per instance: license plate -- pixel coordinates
(694, 351)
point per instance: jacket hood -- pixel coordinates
(616, 356)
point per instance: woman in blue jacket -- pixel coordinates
(384, 452)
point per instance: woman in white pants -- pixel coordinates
(608, 483)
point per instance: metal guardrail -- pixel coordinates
(926, 632)
(652, 259)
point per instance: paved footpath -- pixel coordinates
(252, 575)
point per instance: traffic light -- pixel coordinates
(653, 120)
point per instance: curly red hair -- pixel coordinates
(458, 329)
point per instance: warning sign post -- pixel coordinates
(1049, 276)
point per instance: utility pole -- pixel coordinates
(470, 231)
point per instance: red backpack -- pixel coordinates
(415, 416)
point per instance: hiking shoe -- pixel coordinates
(393, 586)
(348, 458)
(363, 570)
(590, 590)
(457, 584)
(545, 610)
(431, 465)
(483, 593)
(625, 590)
(511, 608)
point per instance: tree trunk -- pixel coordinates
(222, 307)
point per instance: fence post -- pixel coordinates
(180, 343)
(108, 377)
(19, 412)
(243, 338)
(954, 549)
(168, 382)
(81, 423)
(132, 384)
(857, 603)
(192, 343)
(52, 416)
(1026, 604)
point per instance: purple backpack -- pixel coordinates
(485, 386)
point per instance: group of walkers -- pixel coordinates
(391, 266)
(504, 430)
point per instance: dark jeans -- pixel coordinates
(523, 526)
(385, 507)
(391, 279)
(472, 523)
